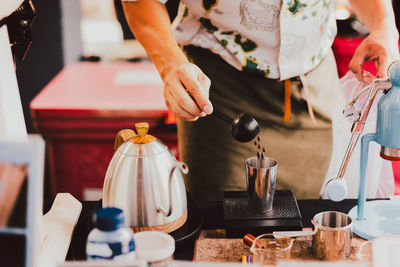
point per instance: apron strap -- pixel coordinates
(287, 107)
(307, 96)
(287, 110)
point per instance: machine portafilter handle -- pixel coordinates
(336, 188)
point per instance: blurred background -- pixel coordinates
(69, 31)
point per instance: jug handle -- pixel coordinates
(123, 136)
(316, 226)
(184, 169)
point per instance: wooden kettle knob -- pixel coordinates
(140, 138)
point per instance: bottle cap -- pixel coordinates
(109, 219)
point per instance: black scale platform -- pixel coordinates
(239, 220)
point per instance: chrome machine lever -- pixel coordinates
(336, 188)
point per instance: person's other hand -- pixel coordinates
(378, 47)
(186, 91)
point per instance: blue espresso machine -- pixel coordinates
(379, 217)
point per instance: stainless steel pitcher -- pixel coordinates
(144, 180)
(261, 180)
(332, 235)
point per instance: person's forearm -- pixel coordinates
(149, 22)
(377, 15)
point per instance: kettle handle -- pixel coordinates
(122, 137)
(184, 169)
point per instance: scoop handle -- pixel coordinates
(222, 116)
(285, 234)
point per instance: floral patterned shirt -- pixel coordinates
(279, 39)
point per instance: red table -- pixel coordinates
(80, 111)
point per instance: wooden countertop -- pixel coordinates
(213, 246)
(213, 219)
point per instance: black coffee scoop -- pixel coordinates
(243, 128)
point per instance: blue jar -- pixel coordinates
(111, 239)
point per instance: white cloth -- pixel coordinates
(379, 172)
(279, 39)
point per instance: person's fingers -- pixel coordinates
(193, 119)
(181, 103)
(357, 62)
(376, 47)
(180, 112)
(176, 95)
(186, 90)
(183, 99)
(205, 83)
(382, 66)
(189, 79)
(368, 77)
(184, 114)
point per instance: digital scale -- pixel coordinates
(239, 220)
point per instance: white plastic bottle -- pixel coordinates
(111, 239)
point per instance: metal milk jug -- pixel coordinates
(145, 180)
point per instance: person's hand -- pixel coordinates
(379, 47)
(186, 90)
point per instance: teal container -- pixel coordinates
(388, 123)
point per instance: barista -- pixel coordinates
(236, 57)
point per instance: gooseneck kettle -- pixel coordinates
(374, 218)
(145, 180)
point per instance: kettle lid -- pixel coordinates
(138, 143)
(142, 137)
